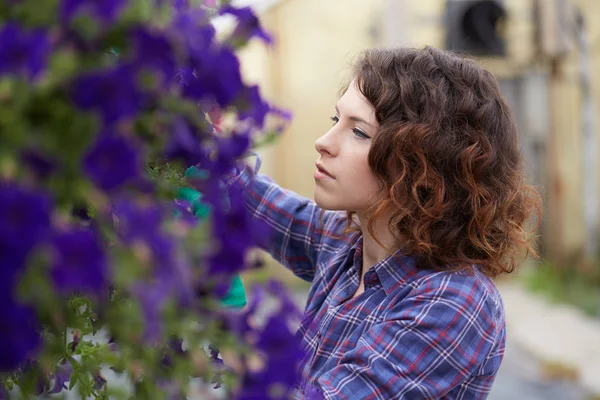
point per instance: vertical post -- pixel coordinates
(589, 167)
(555, 191)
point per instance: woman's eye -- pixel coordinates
(360, 134)
(335, 119)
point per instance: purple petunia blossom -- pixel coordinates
(111, 162)
(137, 221)
(287, 303)
(113, 93)
(154, 51)
(23, 52)
(212, 71)
(24, 218)
(80, 263)
(20, 337)
(105, 10)
(181, 5)
(188, 28)
(218, 76)
(99, 381)
(152, 297)
(229, 150)
(282, 352)
(184, 211)
(184, 143)
(142, 223)
(313, 393)
(230, 228)
(24, 223)
(248, 24)
(62, 375)
(253, 106)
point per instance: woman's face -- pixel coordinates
(343, 178)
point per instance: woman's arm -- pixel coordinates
(296, 228)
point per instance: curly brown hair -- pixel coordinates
(447, 155)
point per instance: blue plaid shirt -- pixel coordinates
(412, 334)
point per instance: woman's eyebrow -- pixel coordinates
(355, 118)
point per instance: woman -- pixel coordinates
(420, 201)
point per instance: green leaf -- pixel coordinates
(74, 379)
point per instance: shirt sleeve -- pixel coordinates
(296, 223)
(435, 340)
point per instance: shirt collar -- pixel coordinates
(392, 272)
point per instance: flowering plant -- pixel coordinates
(103, 105)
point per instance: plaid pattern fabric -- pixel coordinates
(412, 334)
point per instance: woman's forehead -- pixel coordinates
(353, 102)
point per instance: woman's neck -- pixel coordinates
(372, 251)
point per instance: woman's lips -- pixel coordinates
(322, 173)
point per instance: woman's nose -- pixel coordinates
(325, 144)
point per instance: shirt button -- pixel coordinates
(319, 334)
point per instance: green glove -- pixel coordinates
(236, 296)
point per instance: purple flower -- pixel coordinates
(20, 337)
(248, 24)
(24, 218)
(184, 211)
(99, 381)
(142, 223)
(152, 297)
(62, 375)
(184, 76)
(228, 262)
(113, 93)
(239, 321)
(313, 393)
(137, 221)
(229, 150)
(181, 5)
(211, 71)
(105, 10)
(282, 352)
(191, 28)
(230, 227)
(184, 143)
(24, 223)
(80, 264)
(251, 105)
(218, 76)
(288, 305)
(111, 162)
(174, 269)
(154, 51)
(23, 52)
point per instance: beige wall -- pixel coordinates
(315, 42)
(317, 39)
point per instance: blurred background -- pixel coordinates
(546, 57)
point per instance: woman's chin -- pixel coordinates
(327, 202)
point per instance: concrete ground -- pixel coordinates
(547, 341)
(519, 378)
